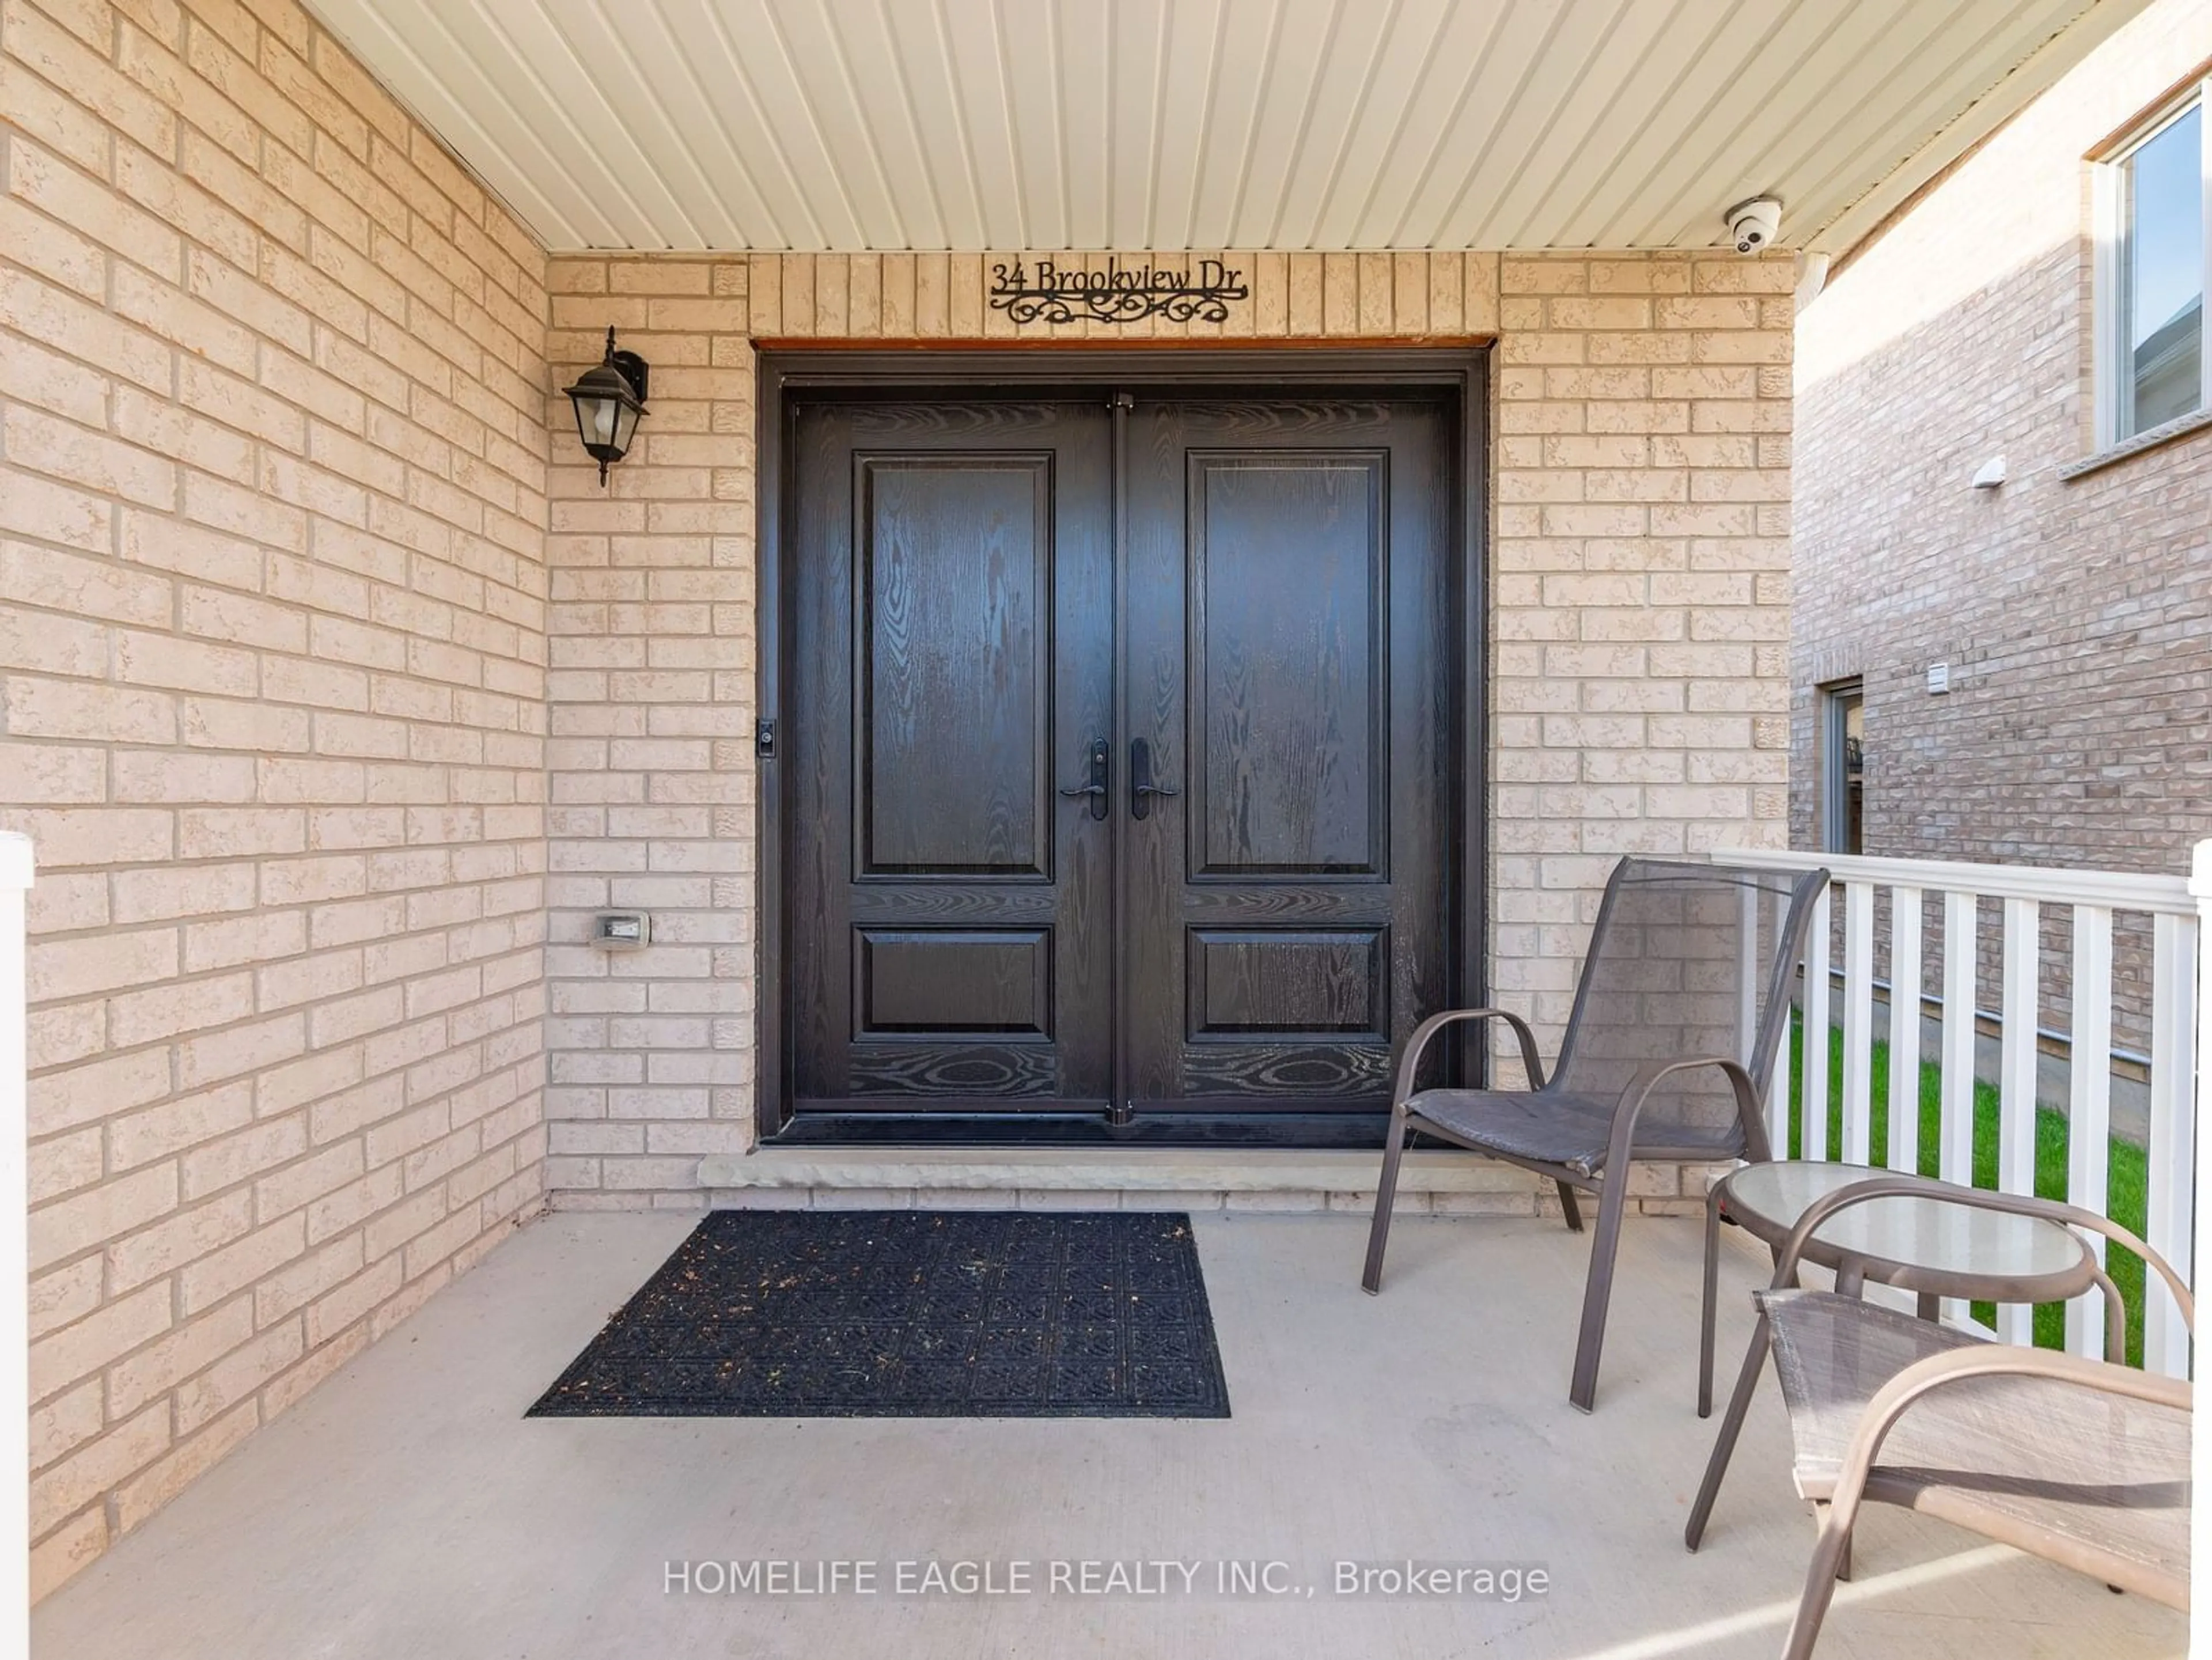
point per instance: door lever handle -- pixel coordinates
(1100, 762)
(1142, 789)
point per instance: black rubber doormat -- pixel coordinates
(911, 1314)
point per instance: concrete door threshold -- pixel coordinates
(1084, 1169)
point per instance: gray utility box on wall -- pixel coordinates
(628, 930)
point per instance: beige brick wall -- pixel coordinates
(1638, 655)
(2075, 615)
(272, 596)
(1640, 667)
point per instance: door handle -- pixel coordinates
(1141, 787)
(1099, 759)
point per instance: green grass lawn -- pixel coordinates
(2125, 1184)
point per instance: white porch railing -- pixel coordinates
(2179, 911)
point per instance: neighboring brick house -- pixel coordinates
(2065, 612)
(2071, 604)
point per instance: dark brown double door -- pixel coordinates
(1121, 746)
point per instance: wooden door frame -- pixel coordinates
(792, 372)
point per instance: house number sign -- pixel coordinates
(1045, 291)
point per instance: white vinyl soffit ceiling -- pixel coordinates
(889, 125)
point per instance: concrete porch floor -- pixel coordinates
(407, 1509)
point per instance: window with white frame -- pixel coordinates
(2155, 191)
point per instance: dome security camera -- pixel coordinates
(1753, 224)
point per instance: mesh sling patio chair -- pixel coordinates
(1683, 999)
(2082, 1463)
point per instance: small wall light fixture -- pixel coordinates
(610, 396)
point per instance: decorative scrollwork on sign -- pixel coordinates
(1047, 292)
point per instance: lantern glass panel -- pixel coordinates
(624, 423)
(595, 421)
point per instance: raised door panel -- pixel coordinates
(952, 650)
(943, 982)
(1288, 671)
(1284, 984)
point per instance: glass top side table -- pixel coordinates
(1923, 1245)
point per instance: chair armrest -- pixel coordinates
(1436, 1023)
(1897, 1396)
(1639, 1089)
(1900, 1185)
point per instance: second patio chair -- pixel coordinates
(2083, 1462)
(1683, 999)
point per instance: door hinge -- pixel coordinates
(765, 739)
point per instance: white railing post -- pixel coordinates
(2169, 1206)
(2016, 1066)
(1904, 1151)
(2089, 1108)
(1954, 1129)
(1859, 1023)
(1813, 1109)
(16, 868)
(2200, 890)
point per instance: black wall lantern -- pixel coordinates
(609, 398)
